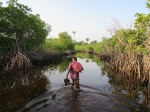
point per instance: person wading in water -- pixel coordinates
(74, 69)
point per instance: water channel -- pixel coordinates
(101, 91)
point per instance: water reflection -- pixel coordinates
(125, 86)
(122, 84)
(76, 103)
(19, 88)
(60, 67)
(63, 65)
(16, 89)
(87, 56)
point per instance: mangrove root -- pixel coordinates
(18, 61)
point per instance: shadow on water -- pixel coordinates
(18, 89)
(124, 85)
(101, 89)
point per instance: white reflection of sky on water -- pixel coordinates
(91, 77)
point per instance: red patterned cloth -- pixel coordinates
(73, 73)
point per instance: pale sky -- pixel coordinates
(88, 18)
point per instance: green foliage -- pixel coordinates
(84, 47)
(20, 29)
(61, 44)
(125, 40)
(87, 39)
(134, 40)
(128, 40)
(96, 48)
(148, 4)
(93, 58)
(142, 22)
(94, 42)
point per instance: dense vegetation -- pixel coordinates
(23, 38)
(61, 44)
(133, 40)
(127, 50)
(23, 35)
(123, 40)
(20, 30)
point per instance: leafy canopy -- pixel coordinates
(19, 28)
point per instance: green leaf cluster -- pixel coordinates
(61, 44)
(20, 30)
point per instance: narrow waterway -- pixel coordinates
(30, 91)
(91, 77)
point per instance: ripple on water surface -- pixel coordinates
(85, 100)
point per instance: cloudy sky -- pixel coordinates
(88, 18)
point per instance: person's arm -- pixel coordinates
(69, 70)
(68, 73)
(82, 68)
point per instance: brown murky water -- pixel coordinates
(32, 91)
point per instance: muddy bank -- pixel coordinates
(86, 100)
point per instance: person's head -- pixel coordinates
(74, 59)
